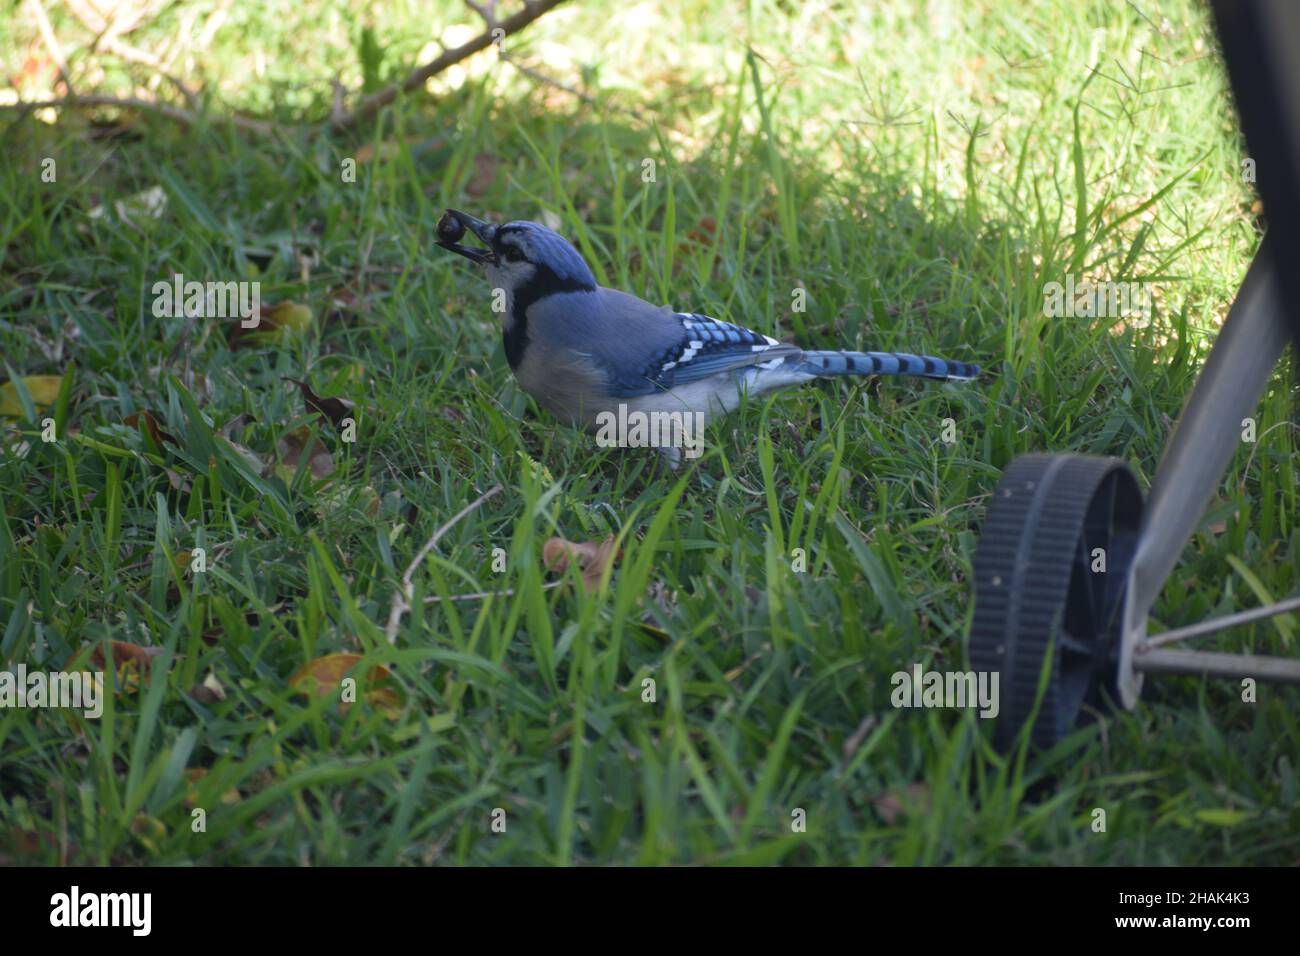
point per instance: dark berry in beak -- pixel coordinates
(450, 229)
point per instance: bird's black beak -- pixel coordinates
(452, 226)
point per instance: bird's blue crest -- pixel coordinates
(547, 247)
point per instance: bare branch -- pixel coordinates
(133, 55)
(51, 41)
(448, 58)
(88, 15)
(119, 22)
(108, 30)
(132, 103)
(545, 80)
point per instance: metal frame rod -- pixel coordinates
(1279, 670)
(1240, 363)
(1216, 624)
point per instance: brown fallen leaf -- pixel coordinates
(203, 695)
(335, 409)
(151, 426)
(368, 153)
(592, 557)
(209, 692)
(128, 661)
(125, 653)
(1220, 525)
(344, 304)
(282, 320)
(291, 447)
(704, 234)
(914, 798)
(323, 677)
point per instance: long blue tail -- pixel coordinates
(826, 364)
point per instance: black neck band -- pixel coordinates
(544, 283)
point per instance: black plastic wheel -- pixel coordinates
(1035, 587)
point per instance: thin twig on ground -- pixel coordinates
(480, 595)
(402, 596)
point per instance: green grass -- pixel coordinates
(922, 170)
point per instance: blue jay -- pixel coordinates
(581, 350)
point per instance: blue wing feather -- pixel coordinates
(707, 347)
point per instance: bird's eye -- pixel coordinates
(512, 254)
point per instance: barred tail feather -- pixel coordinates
(826, 364)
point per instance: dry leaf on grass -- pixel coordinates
(592, 557)
(324, 676)
(279, 321)
(343, 304)
(177, 481)
(418, 144)
(209, 692)
(914, 798)
(704, 233)
(335, 409)
(125, 653)
(44, 390)
(151, 426)
(128, 660)
(291, 447)
(701, 236)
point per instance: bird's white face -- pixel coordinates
(511, 265)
